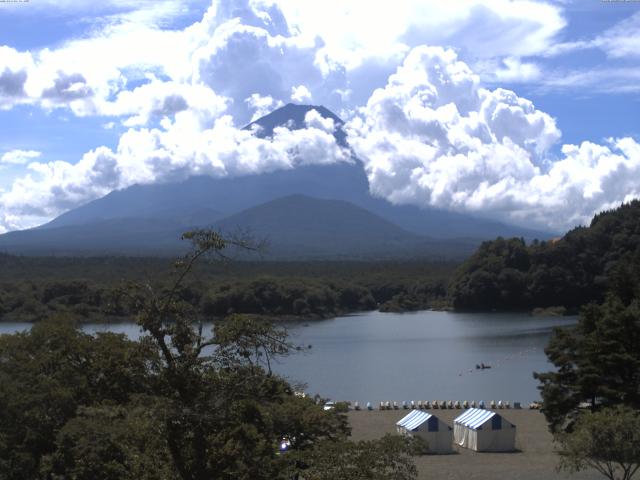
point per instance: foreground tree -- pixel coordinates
(50, 372)
(608, 441)
(226, 412)
(386, 459)
(110, 442)
(218, 397)
(597, 363)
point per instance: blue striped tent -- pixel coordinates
(484, 431)
(438, 435)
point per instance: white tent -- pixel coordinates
(484, 431)
(437, 434)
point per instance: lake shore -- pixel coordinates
(534, 460)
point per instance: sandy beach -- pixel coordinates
(534, 460)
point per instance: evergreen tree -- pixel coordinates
(598, 361)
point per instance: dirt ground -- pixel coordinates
(534, 460)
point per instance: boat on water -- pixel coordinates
(482, 366)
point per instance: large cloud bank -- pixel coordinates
(432, 136)
(418, 117)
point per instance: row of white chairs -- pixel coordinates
(439, 404)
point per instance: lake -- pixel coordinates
(427, 355)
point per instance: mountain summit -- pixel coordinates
(148, 219)
(293, 117)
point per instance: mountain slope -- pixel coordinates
(202, 200)
(301, 226)
(124, 236)
(198, 201)
(192, 197)
(216, 198)
(295, 227)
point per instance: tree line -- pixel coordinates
(269, 289)
(572, 271)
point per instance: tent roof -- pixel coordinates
(414, 419)
(475, 417)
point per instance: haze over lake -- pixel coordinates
(427, 355)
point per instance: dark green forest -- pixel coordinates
(94, 289)
(579, 268)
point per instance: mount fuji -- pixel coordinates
(310, 212)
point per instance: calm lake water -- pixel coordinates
(426, 355)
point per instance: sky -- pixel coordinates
(519, 110)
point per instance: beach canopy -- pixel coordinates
(438, 435)
(484, 431)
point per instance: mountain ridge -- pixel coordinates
(202, 201)
(297, 227)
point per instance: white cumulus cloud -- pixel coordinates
(433, 137)
(313, 119)
(262, 105)
(284, 50)
(19, 157)
(14, 68)
(300, 94)
(159, 99)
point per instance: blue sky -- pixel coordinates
(98, 98)
(609, 112)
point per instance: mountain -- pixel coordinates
(299, 226)
(130, 236)
(207, 199)
(294, 226)
(148, 218)
(293, 117)
(202, 200)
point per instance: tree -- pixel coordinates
(46, 374)
(386, 459)
(217, 393)
(608, 440)
(493, 278)
(597, 362)
(110, 442)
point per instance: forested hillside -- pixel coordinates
(579, 268)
